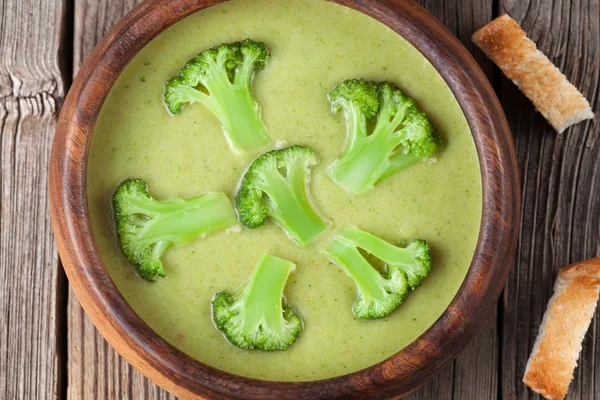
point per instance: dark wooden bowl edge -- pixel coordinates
(188, 378)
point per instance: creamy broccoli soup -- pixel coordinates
(315, 45)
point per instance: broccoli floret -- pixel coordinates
(379, 294)
(146, 227)
(258, 317)
(220, 79)
(402, 135)
(276, 186)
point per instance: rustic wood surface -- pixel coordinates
(561, 184)
(32, 350)
(560, 223)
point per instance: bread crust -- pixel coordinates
(505, 43)
(568, 316)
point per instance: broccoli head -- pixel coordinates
(401, 134)
(276, 186)
(146, 227)
(258, 317)
(220, 79)
(379, 294)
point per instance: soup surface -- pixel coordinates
(315, 45)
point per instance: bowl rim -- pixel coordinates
(188, 378)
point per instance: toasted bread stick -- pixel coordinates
(507, 45)
(568, 316)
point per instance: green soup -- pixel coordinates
(315, 45)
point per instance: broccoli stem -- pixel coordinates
(386, 252)
(368, 280)
(398, 163)
(356, 125)
(379, 294)
(187, 94)
(233, 105)
(262, 297)
(180, 221)
(369, 162)
(360, 169)
(367, 159)
(401, 137)
(243, 121)
(291, 206)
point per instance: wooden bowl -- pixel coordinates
(191, 379)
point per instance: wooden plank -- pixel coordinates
(31, 91)
(92, 20)
(95, 370)
(440, 387)
(474, 373)
(560, 178)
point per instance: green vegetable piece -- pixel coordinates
(146, 227)
(379, 294)
(276, 186)
(258, 317)
(220, 79)
(402, 135)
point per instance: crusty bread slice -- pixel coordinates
(568, 316)
(505, 43)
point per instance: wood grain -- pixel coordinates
(561, 182)
(561, 218)
(178, 372)
(92, 20)
(31, 92)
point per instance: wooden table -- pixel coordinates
(50, 350)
